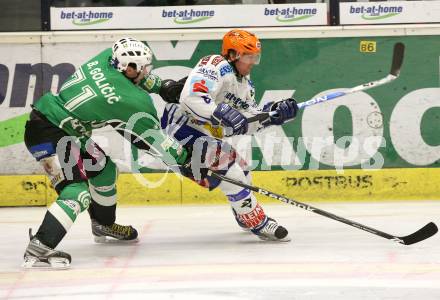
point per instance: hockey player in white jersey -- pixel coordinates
(216, 100)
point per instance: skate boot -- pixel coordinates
(271, 231)
(40, 256)
(114, 232)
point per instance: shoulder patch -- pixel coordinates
(217, 59)
(205, 60)
(226, 69)
(152, 81)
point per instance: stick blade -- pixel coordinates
(422, 234)
(398, 53)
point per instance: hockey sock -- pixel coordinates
(51, 231)
(73, 199)
(104, 215)
(103, 191)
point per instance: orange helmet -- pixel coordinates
(241, 41)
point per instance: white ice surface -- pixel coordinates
(198, 252)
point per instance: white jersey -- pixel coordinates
(210, 83)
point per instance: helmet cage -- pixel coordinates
(128, 51)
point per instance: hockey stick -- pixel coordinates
(398, 52)
(423, 233)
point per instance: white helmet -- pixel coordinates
(131, 51)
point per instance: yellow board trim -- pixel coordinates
(309, 185)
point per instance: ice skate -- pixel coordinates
(40, 256)
(113, 233)
(271, 231)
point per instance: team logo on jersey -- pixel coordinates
(199, 84)
(200, 87)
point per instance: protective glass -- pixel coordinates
(251, 58)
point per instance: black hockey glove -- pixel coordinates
(285, 110)
(170, 90)
(194, 168)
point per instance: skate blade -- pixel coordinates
(110, 240)
(52, 264)
(244, 229)
(267, 239)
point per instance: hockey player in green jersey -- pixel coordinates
(109, 89)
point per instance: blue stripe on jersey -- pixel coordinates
(243, 194)
(186, 131)
(166, 118)
(172, 111)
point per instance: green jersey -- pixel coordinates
(97, 95)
